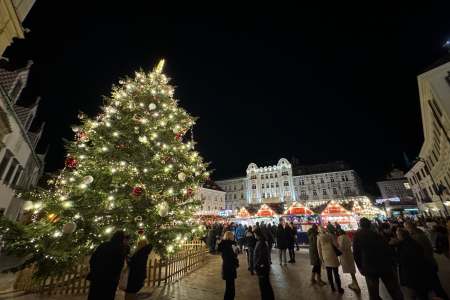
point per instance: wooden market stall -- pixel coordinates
(303, 218)
(336, 213)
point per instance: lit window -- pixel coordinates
(407, 186)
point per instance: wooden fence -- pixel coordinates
(159, 272)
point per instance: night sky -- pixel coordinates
(319, 84)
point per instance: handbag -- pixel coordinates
(123, 282)
(337, 251)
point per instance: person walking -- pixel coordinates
(346, 259)
(421, 238)
(414, 269)
(137, 266)
(292, 232)
(329, 259)
(314, 258)
(240, 236)
(106, 264)
(250, 242)
(375, 260)
(261, 263)
(283, 233)
(230, 263)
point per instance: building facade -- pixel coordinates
(281, 184)
(396, 193)
(20, 166)
(12, 14)
(212, 199)
(430, 175)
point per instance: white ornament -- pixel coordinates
(88, 179)
(152, 106)
(163, 209)
(75, 128)
(69, 228)
(143, 139)
(138, 219)
(181, 176)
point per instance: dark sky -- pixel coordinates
(321, 83)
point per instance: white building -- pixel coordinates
(212, 199)
(20, 166)
(430, 175)
(284, 183)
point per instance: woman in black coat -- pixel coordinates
(250, 242)
(230, 263)
(292, 232)
(137, 266)
(414, 270)
(106, 264)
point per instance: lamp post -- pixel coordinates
(437, 189)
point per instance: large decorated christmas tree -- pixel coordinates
(132, 168)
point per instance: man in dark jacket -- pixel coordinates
(375, 261)
(261, 263)
(414, 269)
(421, 238)
(283, 233)
(106, 264)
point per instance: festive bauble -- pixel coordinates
(138, 219)
(71, 162)
(141, 231)
(75, 128)
(53, 218)
(163, 209)
(69, 228)
(137, 191)
(190, 192)
(179, 136)
(88, 179)
(81, 136)
(152, 106)
(181, 176)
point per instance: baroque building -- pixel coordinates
(286, 183)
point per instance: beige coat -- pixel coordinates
(347, 261)
(326, 251)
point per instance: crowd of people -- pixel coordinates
(399, 252)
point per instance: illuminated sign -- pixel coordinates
(393, 199)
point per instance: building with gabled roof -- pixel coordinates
(20, 165)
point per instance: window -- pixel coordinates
(286, 183)
(267, 176)
(271, 185)
(321, 180)
(347, 190)
(242, 196)
(262, 177)
(253, 177)
(276, 184)
(407, 186)
(271, 175)
(276, 175)
(334, 191)
(234, 196)
(253, 186)
(284, 173)
(312, 181)
(11, 170)
(332, 179)
(314, 193)
(5, 161)
(324, 192)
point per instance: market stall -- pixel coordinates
(303, 218)
(336, 213)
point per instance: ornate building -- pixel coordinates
(20, 166)
(12, 14)
(430, 175)
(212, 199)
(285, 183)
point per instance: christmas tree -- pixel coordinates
(131, 168)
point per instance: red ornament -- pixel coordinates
(190, 192)
(71, 162)
(179, 136)
(137, 191)
(81, 136)
(141, 231)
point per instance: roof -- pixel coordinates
(9, 77)
(443, 60)
(210, 184)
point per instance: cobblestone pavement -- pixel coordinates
(291, 282)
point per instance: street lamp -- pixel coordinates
(440, 188)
